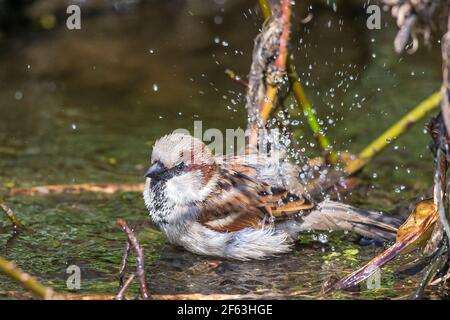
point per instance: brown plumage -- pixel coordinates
(241, 207)
(241, 201)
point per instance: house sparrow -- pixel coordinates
(240, 207)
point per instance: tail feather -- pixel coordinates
(331, 215)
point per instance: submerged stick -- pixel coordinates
(140, 269)
(187, 296)
(399, 128)
(25, 280)
(106, 188)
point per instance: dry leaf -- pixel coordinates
(411, 235)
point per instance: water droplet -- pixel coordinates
(18, 95)
(323, 238)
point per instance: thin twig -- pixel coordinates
(445, 111)
(124, 265)
(25, 280)
(439, 188)
(123, 289)
(236, 78)
(12, 217)
(434, 267)
(445, 104)
(281, 60)
(140, 269)
(441, 279)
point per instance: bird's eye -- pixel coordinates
(180, 166)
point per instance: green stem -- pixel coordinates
(28, 282)
(265, 8)
(399, 128)
(308, 112)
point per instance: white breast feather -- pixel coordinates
(181, 226)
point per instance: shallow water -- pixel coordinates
(82, 106)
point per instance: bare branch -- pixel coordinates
(12, 217)
(123, 289)
(140, 269)
(107, 188)
(25, 280)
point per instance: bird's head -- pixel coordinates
(184, 166)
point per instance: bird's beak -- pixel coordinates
(155, 170)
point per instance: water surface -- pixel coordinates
(86, 106)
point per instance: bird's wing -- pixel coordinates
(241, 201)
(272, 170)
(235, 204)
(283, 194)
(287, 205)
